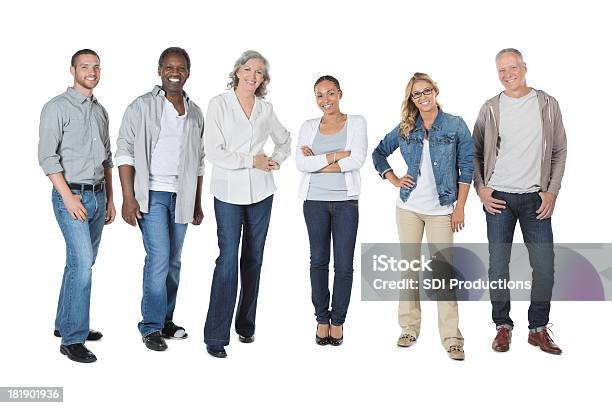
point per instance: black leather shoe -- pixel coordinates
(155, 341)
(92, 336)
(216, 351)
(78, 352)
(334, 341)
(244, 339)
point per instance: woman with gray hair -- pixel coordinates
(238, 124)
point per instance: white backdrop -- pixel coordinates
(373, 48)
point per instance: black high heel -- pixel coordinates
(334, 341)
(321, 341)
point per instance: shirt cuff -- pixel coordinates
(52, 168)
(125, 160)
(277, 158)
(385, 172)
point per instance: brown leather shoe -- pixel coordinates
(502, 339)
(542, 339)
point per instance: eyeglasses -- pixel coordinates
(418, 94)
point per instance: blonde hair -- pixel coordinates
(409, 109)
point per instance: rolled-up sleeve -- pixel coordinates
(385, 148)
(50, 137)
(125, 140)
(215, 145)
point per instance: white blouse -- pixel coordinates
(230, 142)
(356, 142)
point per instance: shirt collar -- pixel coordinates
(236, 103)
(436, 125)
(157, 90)
(77, 96)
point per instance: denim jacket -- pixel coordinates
(450, 147)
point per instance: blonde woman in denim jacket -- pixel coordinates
(437, 148)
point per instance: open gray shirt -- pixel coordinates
(73, 138)
(138, 136)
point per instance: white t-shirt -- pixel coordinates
(519, 161)
(424, 198)
(167, 151)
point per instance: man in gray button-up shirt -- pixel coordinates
(160, 156)
(74, 152)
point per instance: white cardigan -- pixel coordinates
(356, 142)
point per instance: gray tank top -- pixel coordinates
(328, 186)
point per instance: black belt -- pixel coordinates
(87, 187)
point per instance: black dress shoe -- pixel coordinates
(216, 351)
(155, 341)
(78, 352)
(334, 341)
(245, 339)
(93, 335)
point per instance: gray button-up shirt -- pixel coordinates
(73, 138)
(138, 136)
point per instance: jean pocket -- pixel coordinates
(56, 199)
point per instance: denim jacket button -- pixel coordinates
(435, 163)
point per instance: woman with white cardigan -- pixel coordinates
(330, 152)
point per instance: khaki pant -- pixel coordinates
(410, 226)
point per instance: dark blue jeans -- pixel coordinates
(163, 241)
(538, 237)
(82, 242)
(327, 221)
(233, 220)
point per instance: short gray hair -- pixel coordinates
(512, 50)
(262, 90)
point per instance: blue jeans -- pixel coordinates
(82, 241)
(327, 220)
(163, 241)
(538, 237)
(233, 220)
